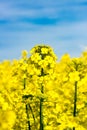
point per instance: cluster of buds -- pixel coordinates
(43, 58)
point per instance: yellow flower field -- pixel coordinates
(39, 92)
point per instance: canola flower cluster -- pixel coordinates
(37, 92)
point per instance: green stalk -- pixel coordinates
(41, 111)
(75, 101)
(27, 109)
(41, 105)
(27, 112)
(24, 83)
(32, 114)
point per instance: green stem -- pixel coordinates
(27, 111)
(41, 111)
(41, 104)
(32, 113)
(29, 127)
(73, 128)
(24, 83)
(75, 101)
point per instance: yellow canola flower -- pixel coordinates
(41, 79)
(11, 118)
(49, 59)
(24, 54)
(74, 76)
(32, 50)
(48, 127)
(50, 71)
(36, 57)
(52, 65)
(24, 66)
(84, 54)
(24, 76)
(53, 55)
(21, 61)
(80, 127)
(80, 105)
(7, 119)
(43, 63)
(65, 58)
(5, 106)
(44, 50)
(31, 69)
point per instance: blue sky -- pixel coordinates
(25, 23)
